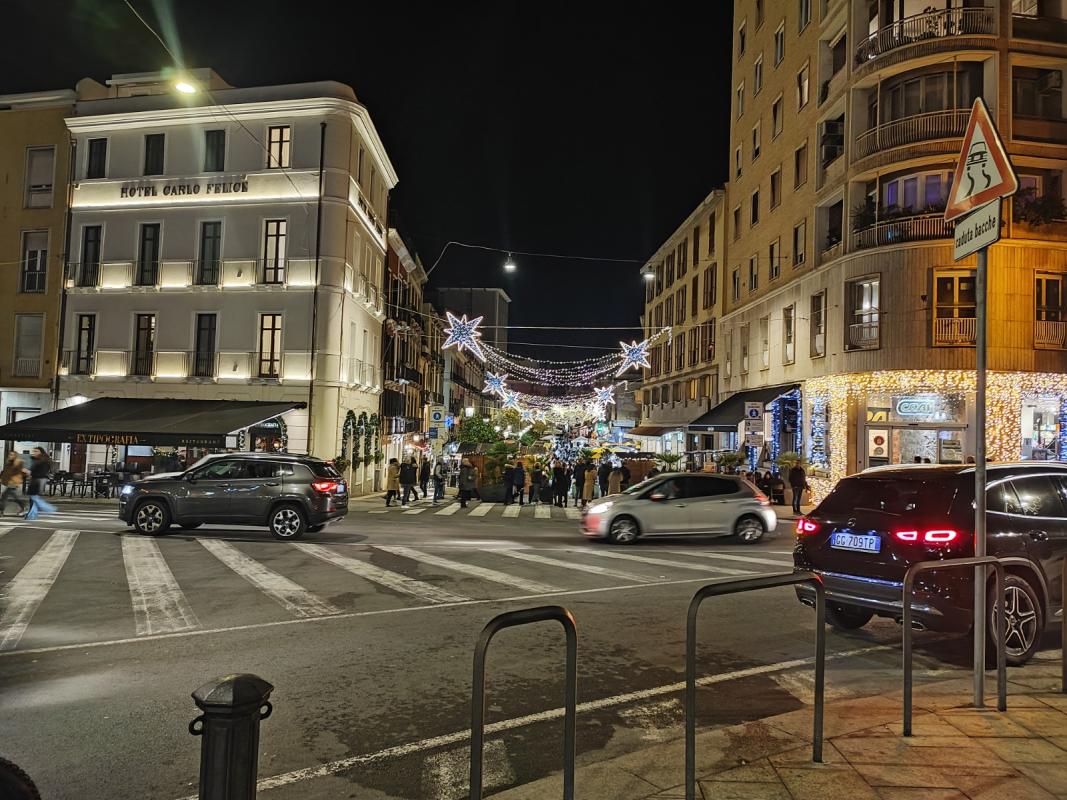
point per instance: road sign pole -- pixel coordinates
(980, 618)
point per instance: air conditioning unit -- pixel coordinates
(1050, 82)
(833, 127)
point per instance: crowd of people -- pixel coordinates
(18, 478)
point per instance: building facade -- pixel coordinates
(229, 244)
(847, 121)
(34, 163)
(683, 291)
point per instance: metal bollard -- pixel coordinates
(232, 707)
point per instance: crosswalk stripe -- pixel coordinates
(749, 559)
(5, 529)
(572, 513)
(159, 605)
(379, 511)
(391, 580)
(512, 510)
(482, 510)
(290, 594)
(28, 588)
(478, 572)
(415, 511)
(448, 510)
(542, 511)
(664, 562)
(591, 568)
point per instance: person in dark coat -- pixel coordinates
(625, 475)
(509, 484)
(424, 476)
(536, 476)
(468, 482)
(559, 475)
(602, 477)
(579, 478)
(798, 482)
(409, 474)
(518, 480)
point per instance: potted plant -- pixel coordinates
(729, 461)
(669, 460)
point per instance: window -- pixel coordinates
(670, 270)
(279, 143)
(737, 223)
(804, 17)
(33, 277)
(1037, 93)
(694, 351)
(777, 113)
(1039, 496)
(788, 334)
(756, 136)
(728, 360)
(779, 44)
(96, 162)
(29, 343)
(711, 234)
(800, 166)
(916, 192)
(668, 310)
(740, 100)
(735, 284)
(154, 144)
(774, 265)
(679, 354)
(359, 167)
(711, 287)
(817, 325)
(214, 151)
(274, 237)
(759, 13)
(776, 188)
(208, 266)
(1027, 8)
(144, 344)
(744, 348)
(757, 75)
(204, 353)
(803, 87)
(955, 305)
(88, 273)
(1048, 298)
(764, 343)
(741, 40)
(681, 306)
(694, 294)
(270, 345)
(754, 216)
(862, 297)
(84, 344)
(696, 245)
(148, 256)
(40, 168)
(753, 273)
(738, 161)
(800, 242)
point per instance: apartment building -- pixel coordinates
(847, 120)
(683, 291)
(228, 244)
(33, 206)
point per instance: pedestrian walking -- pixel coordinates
(615, 478)
(588, 485)
(602, 476)
(579, 478)
(518, 480)
(544, 494)
(798, 482)
(40, 469)
(565, 489)
(509, 483)
(424, 476)
(468, 482)
(409, 473)
(625, 475)
(558, 475)
(11, 478)
(392, 482)
(536, 476)
(439, 473)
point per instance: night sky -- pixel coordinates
(580, 128)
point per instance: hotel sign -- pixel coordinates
(180, 188)
(255, 187)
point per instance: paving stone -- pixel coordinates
(760, 772)
(1059, 741)
(895, 775)
(929, 751)
(1025, 751)
(827, 781)
(742, 790)
(1047, 722)
(1052, 777)
(930, 725)
(1055, 700)
(909, 793)
(978, 723)
(1001, 787)
(801, 757)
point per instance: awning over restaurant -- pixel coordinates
(727, 415)
(652, 430)
(129, 421)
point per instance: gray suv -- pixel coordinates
(289, 494)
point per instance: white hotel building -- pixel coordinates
(227, 244)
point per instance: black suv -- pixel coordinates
(289, 494)
(863, 537)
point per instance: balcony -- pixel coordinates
(955, 331)
(78, 363)
(911, 130)
(1050, 334)
(27, 368)
(142, 363)
(403, 374)
(917, 228)
(1041, 29)
(865, 335)
(927, 27)
(272, 270)
(834, 248)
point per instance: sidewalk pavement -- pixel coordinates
(956, 753)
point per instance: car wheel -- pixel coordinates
(748, 529)
(191, 526)
(151, 517)
(847, 618)
(315, 528)
(1025, 621)
(623, 530)
(287, 523)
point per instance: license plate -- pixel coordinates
(853, 541)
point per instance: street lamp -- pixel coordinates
(648, 273)
(184, 87)
(509, 264)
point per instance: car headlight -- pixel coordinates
(600, 508)
(127, 489)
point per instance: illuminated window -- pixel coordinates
(279, 143)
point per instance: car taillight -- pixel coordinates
(762, 499)
(805, 526)
(325, 486)
(935, 536)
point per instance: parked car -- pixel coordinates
(682, 503)
(863, 537)
(289, 494)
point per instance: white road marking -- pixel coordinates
(344, 764)
(448, 510)
(470, 569)
(481, 510)
(572, 513)
(390, 580)
(379, 511)
(24, 593)
(541, 511)
(291, 595)
(664, 562)
(554, 562)
(415, 511)
(512, 510)
(159, 606)
(730, 557)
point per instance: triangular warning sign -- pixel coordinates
(983, 173)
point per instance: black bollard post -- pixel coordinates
(232, 707)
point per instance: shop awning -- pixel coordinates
(727, 415)
(129, 421)
(652, 430)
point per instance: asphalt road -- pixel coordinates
(367, 632)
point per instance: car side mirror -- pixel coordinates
(190, 477)
(657, 497)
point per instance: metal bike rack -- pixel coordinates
(909, 585)
(510, 619)
(736, 587)
(1063, 626)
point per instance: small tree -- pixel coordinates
(669, 460)
(788, 460)
(474, 430)
(728, 461)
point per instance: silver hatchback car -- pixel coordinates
(686, 503)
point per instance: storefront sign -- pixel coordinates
(136, 439)
(877, 443)
(910, 406)
(437, 415)
(754, 425)
(754, 440)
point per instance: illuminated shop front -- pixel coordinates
(857, 421)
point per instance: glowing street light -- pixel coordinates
(184, 87)
(510, 265)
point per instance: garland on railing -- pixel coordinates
(347, 433)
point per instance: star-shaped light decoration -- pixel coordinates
(526, 415)
(634, 355)
(605, 395)
(494, 384)
(594, 411)
(558, 410)
(511, 400)
(464, 334)
(542, 415)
